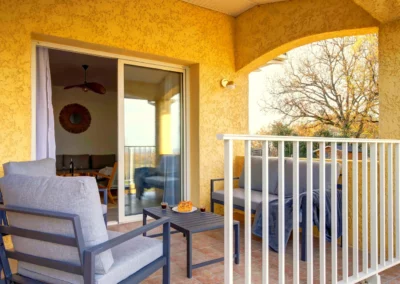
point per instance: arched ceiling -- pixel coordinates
(382, 10)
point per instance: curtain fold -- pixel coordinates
(45, 137)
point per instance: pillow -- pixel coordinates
(45, 167)
(80, 161)
(303, 176)
(75, 195)
(256, 174)
(102, 161)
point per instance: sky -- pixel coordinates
(258, 86)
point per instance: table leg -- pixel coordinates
(189, 254)
(237, 236)
(144, 222)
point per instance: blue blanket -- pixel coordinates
(273, 217)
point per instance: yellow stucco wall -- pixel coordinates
(389, 83)
(266, 31)
(169, 30)
(213, 44)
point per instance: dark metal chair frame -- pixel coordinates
(86, 268)
(303, 224)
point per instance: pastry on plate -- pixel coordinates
(185, 206)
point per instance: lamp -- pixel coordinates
(228, 84)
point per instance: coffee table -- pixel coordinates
(189, 224)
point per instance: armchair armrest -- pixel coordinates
(89, 254)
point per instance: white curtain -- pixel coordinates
(45, 138)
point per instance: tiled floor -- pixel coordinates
(210, 245)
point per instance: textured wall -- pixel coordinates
(382, 10)
(171, 29)
(389, 83)
(267, 31)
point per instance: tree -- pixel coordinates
(333, 83)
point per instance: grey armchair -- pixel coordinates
(61, 240)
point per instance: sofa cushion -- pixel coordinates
(75, 195)
(256, 175)
(102, 161)
(129, 257)
(81, 162)
(45, 167)
(59, 162)
(303, 176)
(238, 197)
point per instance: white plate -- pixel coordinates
(176, 209)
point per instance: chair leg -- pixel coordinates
(110, 197)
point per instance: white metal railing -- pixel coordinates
(380, 225)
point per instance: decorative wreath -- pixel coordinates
(75, 118)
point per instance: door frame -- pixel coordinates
(185, 70)
(121, 133)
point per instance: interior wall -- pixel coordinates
(101, 137)
(389, 84)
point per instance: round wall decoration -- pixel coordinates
(75, 118)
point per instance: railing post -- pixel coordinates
(265, 213)
(228, 211)
(247, 209)
(281, 210)
(309, 214)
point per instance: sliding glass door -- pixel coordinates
(151, 132)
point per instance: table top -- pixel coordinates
(194, 222)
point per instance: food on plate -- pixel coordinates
(185, 206)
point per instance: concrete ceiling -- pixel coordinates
(382, 10)
(230, 7)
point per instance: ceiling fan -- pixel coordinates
(86, 86)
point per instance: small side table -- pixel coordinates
(189, 224)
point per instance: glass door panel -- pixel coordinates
(151, 102)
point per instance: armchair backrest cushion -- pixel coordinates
(45, 167)
(169, 165)
(74, 195)
(80, 161)
(303, 175)
(256, 174)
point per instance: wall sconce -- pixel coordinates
(228, 84)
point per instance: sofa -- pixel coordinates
(84, 162)
(217, 196)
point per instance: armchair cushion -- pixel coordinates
(130, 257)
(45, 167)
(256, 175)
(74, 195)
(238, 197)
(303, 176)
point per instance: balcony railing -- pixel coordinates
(371, 233)
(137, 157)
